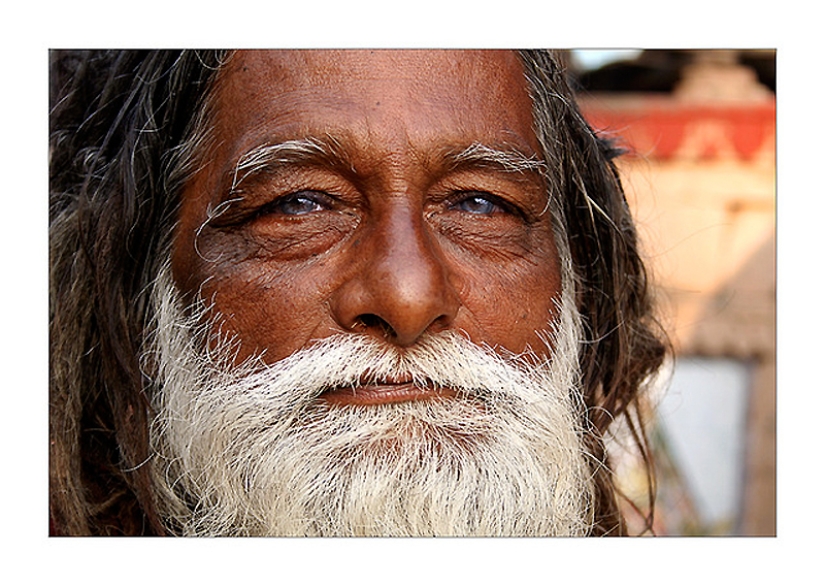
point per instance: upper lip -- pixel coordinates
(402, 379)
(387, 389)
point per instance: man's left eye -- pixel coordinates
(478, 203)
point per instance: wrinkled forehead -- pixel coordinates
(489, 68)
(455, 94)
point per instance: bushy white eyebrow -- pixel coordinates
(510, 160)
(297, 151)
(328, 150)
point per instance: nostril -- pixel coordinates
(374, 323)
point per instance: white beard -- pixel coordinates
(252, 450)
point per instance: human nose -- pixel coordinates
(401, 285)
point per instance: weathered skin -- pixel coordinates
(389, 238)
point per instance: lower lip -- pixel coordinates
(384, 394)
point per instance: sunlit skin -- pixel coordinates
(388, 237)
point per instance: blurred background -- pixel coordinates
(700, 176)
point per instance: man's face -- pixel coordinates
(374, 192)
(372, 228)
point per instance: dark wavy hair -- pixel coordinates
(125, 128)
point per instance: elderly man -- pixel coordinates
(336, 293)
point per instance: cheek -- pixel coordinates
(271, 306)
(506, 304)
(268, 309)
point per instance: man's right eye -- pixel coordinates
(299, 203)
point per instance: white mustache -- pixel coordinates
(445, 360)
